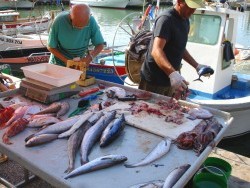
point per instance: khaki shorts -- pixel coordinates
(163, 90)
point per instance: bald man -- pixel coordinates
(70, 36)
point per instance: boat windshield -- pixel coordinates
(204, 29)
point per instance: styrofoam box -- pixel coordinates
(51, 74)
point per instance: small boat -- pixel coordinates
(104, 3)
(105, 66)
(211, 42)
(11, 24)
(19, 4)
(22, 41)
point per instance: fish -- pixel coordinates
(53, 108)
(5, 115)
(159, 151)
(112, 131)
(16, 127)
(203, 72)
(97, 164)
(75, 139)
(93, 134)
(40, 139)
(19, 113)
(114, 91)
(175, 175)
(63, 110)
(150, 184)
(199, 113)
(81, 120)
(56, 128)
(43, 120)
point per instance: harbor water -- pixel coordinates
(110, 20)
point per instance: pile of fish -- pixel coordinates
(85, 130)
(200, 136)
(15, 118)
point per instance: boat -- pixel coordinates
(11, 24)
(102, 3)
(22, 41)
(105, 66)
(17, 4)
(213, 32)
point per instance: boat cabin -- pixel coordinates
(212, 38)
(8, 16)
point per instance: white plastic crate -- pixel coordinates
(51, 74)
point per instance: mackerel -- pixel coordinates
(175, 175)
(76, 138)
(40, 139)
(159, 151)
(96, 164)
(112, 131)
(83, 118)
(93, 134)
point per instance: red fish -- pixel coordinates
(5, 115)
(16, 127)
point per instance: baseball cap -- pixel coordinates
(195, 3)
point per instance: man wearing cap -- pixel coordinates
(160, 70)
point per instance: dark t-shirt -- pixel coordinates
(170, 26)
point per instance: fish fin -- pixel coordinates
(129, 166)
(198, 79)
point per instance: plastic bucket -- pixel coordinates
(209, 180)
(218, 163)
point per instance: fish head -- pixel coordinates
(205, 71)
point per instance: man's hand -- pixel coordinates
(177, 81)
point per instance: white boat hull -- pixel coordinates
(20, 4)
(22, 41)
(102, 3)
(136, 3)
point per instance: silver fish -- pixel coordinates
(53, 108)
(76, 138)
(63, 110)
(93, 134)
(40, 139)
(43, 120)
(84, 117)
(57, 128)
(160, 150)
(150, 184)
(175, 175)
(96, 164)
(112, 131)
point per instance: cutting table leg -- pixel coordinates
(27, 178)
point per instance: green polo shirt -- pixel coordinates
(72, 42)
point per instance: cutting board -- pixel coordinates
(153, 123)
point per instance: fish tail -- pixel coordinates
(68, 170)
(84, 161)
(198, 79)
(6, 139)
